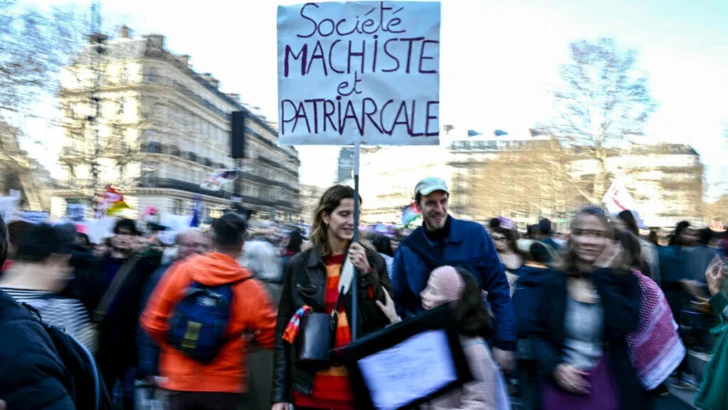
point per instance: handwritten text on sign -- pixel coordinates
(368, 70)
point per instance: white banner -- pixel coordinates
(8, 208)
(359, 69)
(35, 217)
(617, 198)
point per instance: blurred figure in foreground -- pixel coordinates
(41, 270)
(210, 374)
(585, 314)
(712, 393)
(191, 242)
(33, 376)
(655, 346)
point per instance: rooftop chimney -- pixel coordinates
(184, 59)
(156, 40)
(97, 38)
(125, 32)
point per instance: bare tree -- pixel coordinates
(33, 47)
(602, 100)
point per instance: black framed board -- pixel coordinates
(407, 364)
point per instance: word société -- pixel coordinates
(327, 26)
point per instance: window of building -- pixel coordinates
(124, 75)
(122, 106)
(178, 207)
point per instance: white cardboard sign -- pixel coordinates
(415, 368)
(359, 70)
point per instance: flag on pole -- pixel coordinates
(618, 199)
(218, 178)
(196, 212)
(410, 214)
(112, 202)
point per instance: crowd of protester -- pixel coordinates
(601, 318)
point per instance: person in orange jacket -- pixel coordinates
(221, 384)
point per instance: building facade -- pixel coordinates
(529, 177)
(159, 131)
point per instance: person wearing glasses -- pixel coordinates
(510, 255)
(190, 242)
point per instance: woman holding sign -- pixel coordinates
(318, 281)
(582, 323)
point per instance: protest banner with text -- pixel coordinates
(359, 71)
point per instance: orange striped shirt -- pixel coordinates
(331, 387)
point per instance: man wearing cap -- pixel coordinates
(443, 240)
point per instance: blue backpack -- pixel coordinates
(200, 320)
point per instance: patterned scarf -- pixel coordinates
(655, 346)
(289, 335)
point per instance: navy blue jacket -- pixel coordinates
(529, 285)
(32, 375)
(148, 350)
(467, 246)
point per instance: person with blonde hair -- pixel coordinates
(317, 280)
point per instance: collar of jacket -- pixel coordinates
(314, 258)
(452, 236)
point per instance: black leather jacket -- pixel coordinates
(305, 284)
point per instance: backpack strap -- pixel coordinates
(231, 285)
(113, 290)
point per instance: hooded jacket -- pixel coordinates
(32, 375)
(251, 311)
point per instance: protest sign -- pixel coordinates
(8, 207)
(407, 364)
(35, 217)
(359, 72)
(76, 212)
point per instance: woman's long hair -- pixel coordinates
(632, 251)
(471, 315)
(330, 200)
(571, 264)
(295, 240)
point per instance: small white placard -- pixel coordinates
(413, 369)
